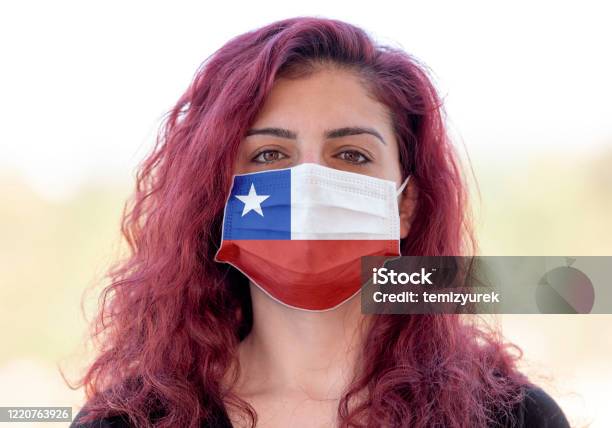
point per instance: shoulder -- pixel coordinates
(539, 409)
(107, 422)
(219, 419)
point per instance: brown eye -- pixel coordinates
(353, 156)
(268, 156)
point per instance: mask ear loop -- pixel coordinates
(402, 186)
(397, 195)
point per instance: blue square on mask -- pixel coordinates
(259, 206)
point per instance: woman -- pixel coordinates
(190, 339)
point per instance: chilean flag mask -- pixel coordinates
(299, 233)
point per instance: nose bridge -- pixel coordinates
(311, 156)
(311, 148)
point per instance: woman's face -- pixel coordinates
(326, 118)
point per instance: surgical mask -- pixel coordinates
(299, 233)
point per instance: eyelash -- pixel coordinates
(366, 159)
(263, 152)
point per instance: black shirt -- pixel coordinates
(537, 410)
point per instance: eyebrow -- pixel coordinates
(331, 133)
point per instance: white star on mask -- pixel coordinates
(252, 201)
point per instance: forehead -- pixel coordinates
(327, 97)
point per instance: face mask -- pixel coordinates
(299, 233)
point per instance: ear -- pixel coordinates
(407, 205)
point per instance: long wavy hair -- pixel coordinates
(171, 319)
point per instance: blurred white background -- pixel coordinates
(83, 87)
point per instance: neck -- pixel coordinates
(292, 350)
